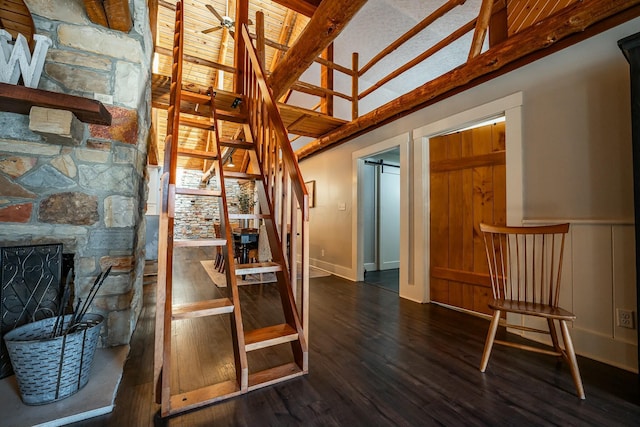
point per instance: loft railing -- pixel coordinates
(283, 179)
(491, 14)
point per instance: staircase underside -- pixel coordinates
(297, 120)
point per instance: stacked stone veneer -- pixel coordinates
(84, 185)
(195, 215)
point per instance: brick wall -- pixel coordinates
(195, 215)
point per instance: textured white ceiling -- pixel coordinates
(377, 25)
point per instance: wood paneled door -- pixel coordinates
(468, 186)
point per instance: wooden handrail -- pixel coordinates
(283, 181)
(270, 110)
(438, 13)
(423, 56)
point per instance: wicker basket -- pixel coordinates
(49, 369)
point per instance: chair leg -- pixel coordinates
(571, 358)
(488, 345)
(554, 335)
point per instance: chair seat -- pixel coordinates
(532, 309)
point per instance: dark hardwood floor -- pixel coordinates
(378, 360)
(387, 279)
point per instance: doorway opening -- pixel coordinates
(381, 219)
(387, 247)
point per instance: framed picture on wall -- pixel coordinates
(311, 189)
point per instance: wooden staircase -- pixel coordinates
(283, 208)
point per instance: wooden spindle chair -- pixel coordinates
(219, 261)
(525, 266)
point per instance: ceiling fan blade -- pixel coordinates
(215, 12)
(211, 30)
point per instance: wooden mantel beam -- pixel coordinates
(325, 25)
(570, 25)
(20, 99)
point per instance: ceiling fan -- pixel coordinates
(225, 21)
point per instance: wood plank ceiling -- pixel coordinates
(207, 41)
(521, 31)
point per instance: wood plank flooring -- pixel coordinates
(378, 360)
(388, 279)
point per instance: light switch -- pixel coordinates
(342, 206)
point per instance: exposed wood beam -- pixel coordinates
(96, 13)
(195, 60)
(322, 92)
(260, 39)
(166, 4)
(118, 15)
(354, 85)
(324, 26)
(114, 14)
(242, 17)
(218, 81)
(571, 25)
(320, 60)
(326, 81)
(482, 26)
(153, 20)
(306, 7)
(498, 31)
(285, 36)
(152, 146)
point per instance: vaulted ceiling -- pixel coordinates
(410, 52)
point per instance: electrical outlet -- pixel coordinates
(625, 318)
(322, 252)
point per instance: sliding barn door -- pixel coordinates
(468, 186)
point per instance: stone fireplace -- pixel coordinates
(83, 185)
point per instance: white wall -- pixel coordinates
(576, 166)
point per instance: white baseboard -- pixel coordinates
(337, 270)
(621, 354)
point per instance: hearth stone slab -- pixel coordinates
(96, 398)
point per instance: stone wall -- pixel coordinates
(87, 191)
(195, 215)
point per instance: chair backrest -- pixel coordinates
(525, 263)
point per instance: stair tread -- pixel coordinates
(202, 308)
(198, 192)
(203, 396)
(274, 375)
(181, 243)
(242, 175)
(247, 216)
(197, 123)
(257, 268)
(190, 96)
(269, 336)
(197, 154)
(232, 143)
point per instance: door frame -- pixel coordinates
(357, 244)
(509, 106)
